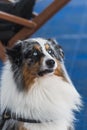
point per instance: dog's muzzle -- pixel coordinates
(41, 73)
(49, 67)
(50, 63)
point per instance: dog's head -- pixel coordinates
(34, 58)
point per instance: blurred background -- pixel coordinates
(69, 27)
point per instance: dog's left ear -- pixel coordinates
(15, 54)
(58, 48)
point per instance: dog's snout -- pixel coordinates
(50, 63)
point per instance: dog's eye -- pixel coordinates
(50, 51)
(35, 53)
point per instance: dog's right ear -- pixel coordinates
(15, 53)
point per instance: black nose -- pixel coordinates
(50, 63)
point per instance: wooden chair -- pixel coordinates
(28, 27)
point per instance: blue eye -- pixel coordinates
(35, 53)
(50, 51)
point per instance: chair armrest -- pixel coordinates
(17, 20)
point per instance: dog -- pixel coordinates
(36, 91)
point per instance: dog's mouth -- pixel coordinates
(46, 71)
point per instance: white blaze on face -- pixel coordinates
(47, 56)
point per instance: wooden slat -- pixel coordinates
(55, 6)
(17, 20)
(2, 52)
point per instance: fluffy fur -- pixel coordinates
(50, 97)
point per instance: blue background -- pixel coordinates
(69, 27)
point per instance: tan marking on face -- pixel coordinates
(29, 75)
(47, 46)
(37, 47)
(59, 71)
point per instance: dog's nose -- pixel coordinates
(50, 63)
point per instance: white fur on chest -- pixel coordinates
(50, 98)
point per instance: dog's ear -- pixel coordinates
(15, 54)
(60, 51)
(58, 48)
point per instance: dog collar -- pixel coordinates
(8, 115)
